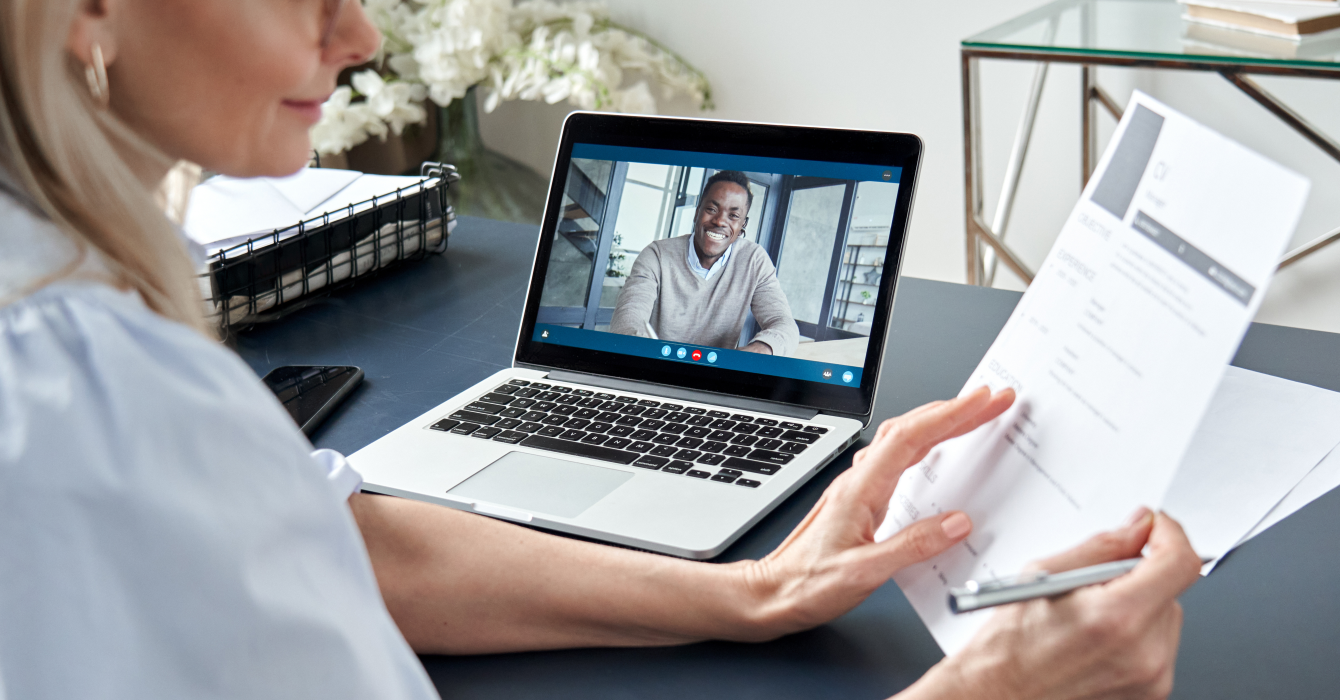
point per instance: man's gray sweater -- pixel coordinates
(684, 308)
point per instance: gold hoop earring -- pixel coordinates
(96, 75)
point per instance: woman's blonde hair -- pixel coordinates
(83, 167)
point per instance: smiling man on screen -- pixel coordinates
(699, 289)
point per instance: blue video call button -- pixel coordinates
(681, 353)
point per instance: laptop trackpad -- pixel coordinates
(539, 484)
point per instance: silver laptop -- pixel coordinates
(703, 332)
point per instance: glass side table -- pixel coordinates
(1131, 33)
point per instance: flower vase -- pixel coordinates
(492, 185)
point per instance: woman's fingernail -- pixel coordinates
(956, 526)
(1136, 518)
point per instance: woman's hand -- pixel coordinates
(831, 563)
(1114, 640)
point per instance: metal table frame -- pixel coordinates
(986, 244)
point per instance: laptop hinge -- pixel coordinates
(743, 404)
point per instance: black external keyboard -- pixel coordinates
(643, 433)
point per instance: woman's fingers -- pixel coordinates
(1123, 543)
(919, 541)
(1170, 565)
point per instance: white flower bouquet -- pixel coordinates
(536, 50)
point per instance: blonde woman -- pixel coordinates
(166, 532)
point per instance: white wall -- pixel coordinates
(894, 65)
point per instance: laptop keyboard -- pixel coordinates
(702, 443)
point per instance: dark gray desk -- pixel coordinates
(1266, 624)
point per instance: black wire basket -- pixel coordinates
(275, 274)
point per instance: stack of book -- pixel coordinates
(1299, 29)
(1293, 19)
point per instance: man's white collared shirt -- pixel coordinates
(704, 273)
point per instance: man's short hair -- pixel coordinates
(732, 176)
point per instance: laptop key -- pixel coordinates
(676, 428)
(769, 432)
(633, 410)
(797, 436)
(544, 406)
(569, 400)
(740, 417)
(665, 451)
(768, 444)
(771, 457)
(747, 428)
(506, 389)
(699, 474)
(815, 429)
(688, 455)
(718, 414)
(529, 427)
(582, 392)
(492, 409)
(564, 410)
(649, 403)
(724, 478)
(608, 417)
(689, 442)
(720, 436)
(573, 435)
(791, 426)
(629, 421)
(585, 413)
(561, 389)
(731, 472)
(625, 399)
(736, 451)
(510, 437)
(794, 448)
(472, 417)
(677, 467)
(640, 446)
(695, 411)
(513, 413)
(590, 403)
(503, 399)
(595, 439)
(527, 393)
(551, 431)
(677, 417)
(538, 385)
(580, 449)
(672, 407)
(666, 439)
(486, 432)
(643, 435)
(697, 432)
(749, 465)
(523, 403)
(577, 424)
(535, 416)
(699, 420)
(744, 440)
(507, 424)
(649, 462)
(599, 427)
(722, 424)
(555, 420)
(618, 443)
(712, 446)
(711, 459)
(653, 424)
(747, 482)
(604, 397)
(765, 421)
(620, 431)
(519, 382)
(655, 413)
(445, 425)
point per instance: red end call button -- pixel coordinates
(697, 355)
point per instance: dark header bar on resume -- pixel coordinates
(1194, 258)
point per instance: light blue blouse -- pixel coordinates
(165, 530)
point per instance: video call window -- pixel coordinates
(826, 238)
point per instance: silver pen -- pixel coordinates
(1040, 584)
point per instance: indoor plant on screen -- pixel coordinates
(440, 56)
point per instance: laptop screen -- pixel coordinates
(763, 270)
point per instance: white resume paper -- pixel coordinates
(1115, 351)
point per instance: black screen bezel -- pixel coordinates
(735, 138)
